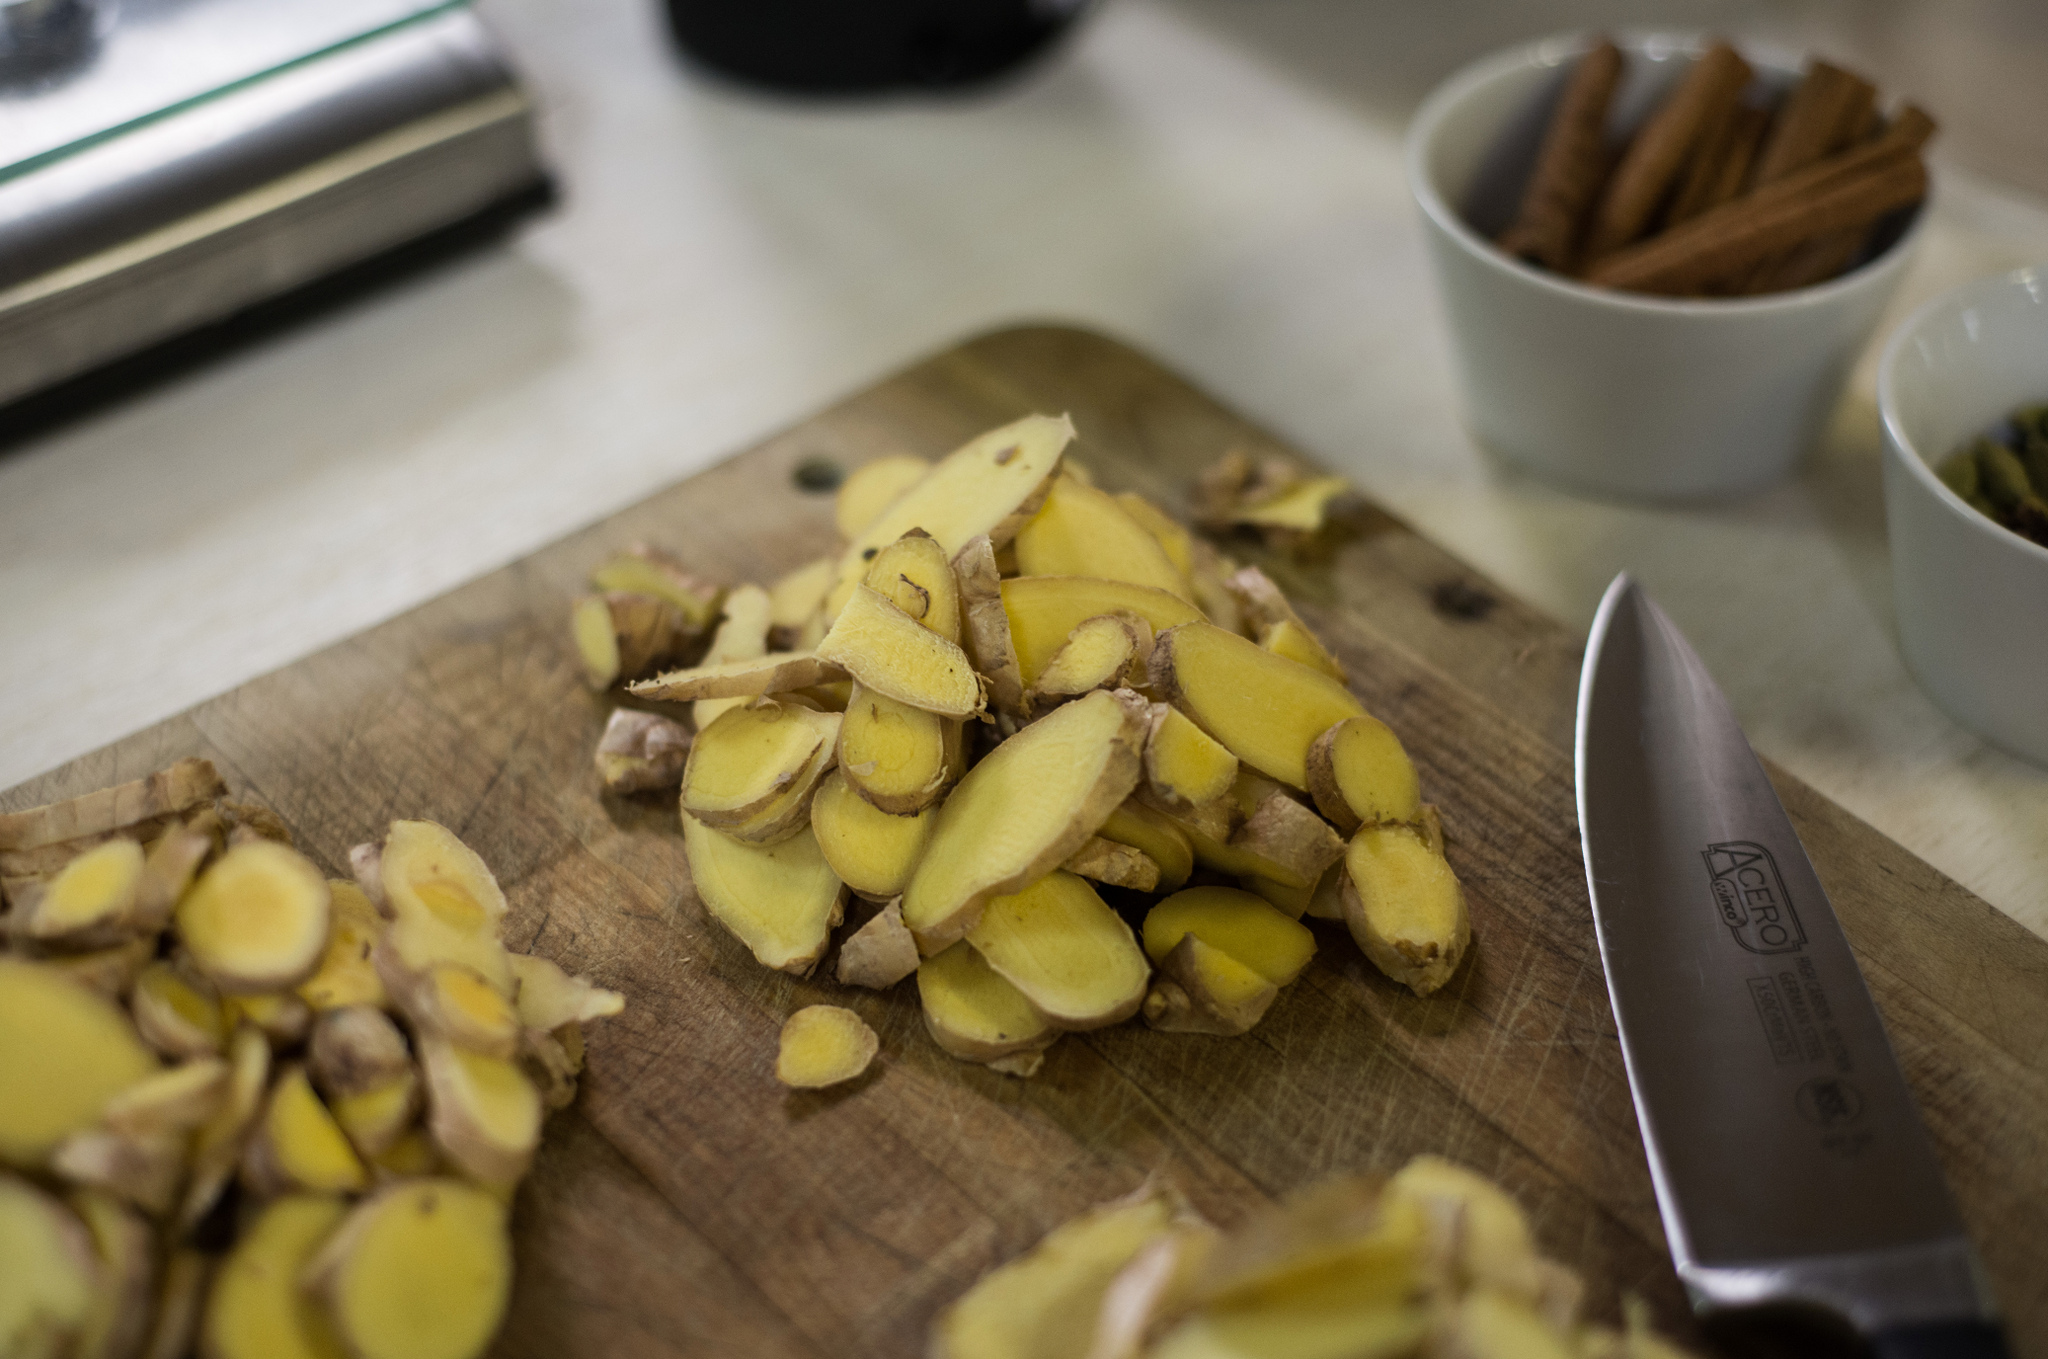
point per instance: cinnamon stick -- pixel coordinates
(1658, 153)
(1717, 170)
(1570, 165)
(1822, 115)
(1849, 190)
(1817, 260)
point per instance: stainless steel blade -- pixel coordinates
(1789, 1160)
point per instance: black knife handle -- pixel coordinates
(1942, 1340)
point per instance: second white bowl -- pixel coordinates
(1619, 393)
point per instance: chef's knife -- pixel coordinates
(1789, 1162)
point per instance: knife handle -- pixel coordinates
(1942, 1340)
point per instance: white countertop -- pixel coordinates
(1216, 181)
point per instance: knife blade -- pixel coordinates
(1789, 1161)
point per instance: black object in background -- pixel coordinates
(859, 46)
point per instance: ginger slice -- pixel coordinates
(1150, 1291)
(376, 1119)
(52, 1274)
(973, 1014)
(780, 900)
(1323, 901)
(623, 636)
(420, 1270)
(255, 1309)
(89, 904)
(1071, 957)
(145, 1171)
(257, 919)
(1230, 854)
(1358, 773)
(645, 570)
(174, 1100)
(1172, 537)
(1303, 508)
(898, 757)
(459, 1004)
(985, 626)
(1485, 1237)
(346, 976)
(1281, 830)
(641, 752)
(1024, 809)
(1047, 1304)
(777, 672)
(1404, 906)
(1278, 627)
(1118, 865)
(218, 1146)
(1266, 709)
(989, 485)
(1082, 531)
(65, 1051)
(915, 575)
(298, 1145)
(284, 1018)
(741, 636)
(1098, 654)
(177, 1013)
(892, 654)
(444, 903)
(872, 851)
(880, 953)
(483, 1112)
(795, 599)
(1339, 1243)
(413, 1156)
(168, 792)
(1202, 989)
(355, 1050)
(753, 772)
(872, 488)
(1136, 825)
(1044, 611)
(549, 997)
(1242, 925)
(118, 1316)
(824, 1045)
(169, 868)
(1184, 767)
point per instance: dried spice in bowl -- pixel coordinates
(1721, 192)
(2003, 474)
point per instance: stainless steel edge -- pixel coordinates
(1787, 1157)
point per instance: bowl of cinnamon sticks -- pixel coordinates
(1659, 256)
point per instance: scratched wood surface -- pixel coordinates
(688, 1205)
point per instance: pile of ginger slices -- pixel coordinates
(251, 1112)
(1005, 688)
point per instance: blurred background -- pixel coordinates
(1217, 181)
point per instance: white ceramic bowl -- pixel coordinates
(1617, 393)
(1972, 597)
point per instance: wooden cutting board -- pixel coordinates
(687, 1204)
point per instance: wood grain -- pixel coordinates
(688, 1205)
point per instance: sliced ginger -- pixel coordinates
(1071, 957)
(1266, 709)
(795, 599)
(1172, 537)
(1277, 626)
(173, 1100)
(898, 757)
(1097, 654)
(872, 851)
(483, 1112)
(985, 625)
(1358, 773)
(91, 900)
(218, 1145)
(871, 488)
(1136, 825)
(177, 1013)
(256, 1309)
(421, 1270)
(754, 764)
(1082, 531)
(1023, 810)
(257, 919)
(1046, 1305)
(52, 1273)
(893, 654)
(299, 1146)
(914, 574)
(623, 636)
(1242, 925)
(1044, 611)
(1280, 830)
(169, 869)
(550, 998)
(972, 1013)
(742, 635)
(824, 1045)
(457, 1003)
(880, 953)
(1202, 989)
(124, 1246)
(641, 752)
(168, 792)
(1184, 767)
(777, 672)
(346, 976)
(1113, 863)
(445, 905)
(1404, 906)
(780, 900)
(648, 570)
(65, 1052)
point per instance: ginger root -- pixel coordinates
(824, 1045)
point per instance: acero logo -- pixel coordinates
(1752, 898)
